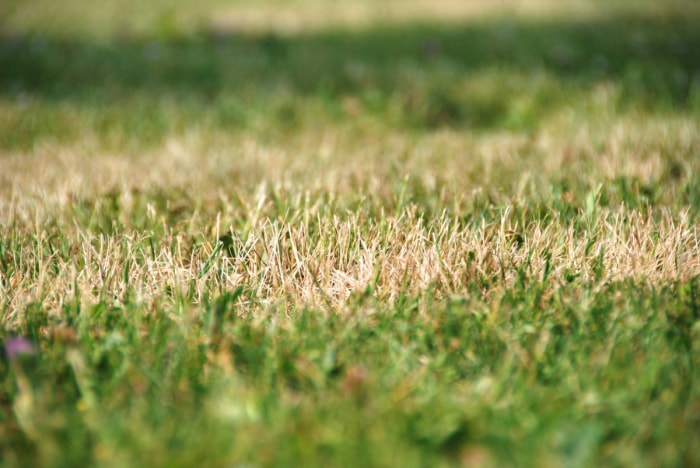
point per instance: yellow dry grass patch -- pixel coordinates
(299, 17)
(43, 181)
(294, 17)
(297, 262)
(313, 255)
(104, 20)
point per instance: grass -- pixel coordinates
(427, 234)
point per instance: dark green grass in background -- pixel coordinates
(493, 74)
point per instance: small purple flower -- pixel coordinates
(17, 346)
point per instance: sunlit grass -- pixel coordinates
(320, 233)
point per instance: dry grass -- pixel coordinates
(105, 19)
(295, 17)
(322, 217)
(323, 260)
(352, 163)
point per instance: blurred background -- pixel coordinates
(124, 74)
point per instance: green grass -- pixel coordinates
(497, 73)
(574, 376)
(434, 237)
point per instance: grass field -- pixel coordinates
(316, 233)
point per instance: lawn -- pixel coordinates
(316, 233)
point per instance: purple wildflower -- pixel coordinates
(17, 346)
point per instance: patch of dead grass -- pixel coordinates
(321, 260)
